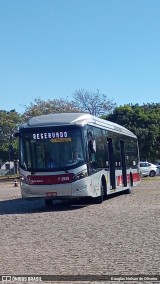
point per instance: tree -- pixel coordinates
(95, 103)
(41, 107)
(144, 122)
(9, 122)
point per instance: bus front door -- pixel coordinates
(123, 160)
(111, 164)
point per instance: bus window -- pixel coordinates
(38, 148)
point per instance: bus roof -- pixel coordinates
(82, 119)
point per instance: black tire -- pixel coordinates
(128, 191)
(152, 174)
(48, 202)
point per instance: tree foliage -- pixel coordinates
(41, 107)
(95, 103)
(9, 122)
(144, 121)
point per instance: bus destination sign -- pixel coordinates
(50, 135)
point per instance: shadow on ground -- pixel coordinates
(21, 206)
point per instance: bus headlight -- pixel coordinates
(80, 175)
(24, 180)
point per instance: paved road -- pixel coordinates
(120, 236)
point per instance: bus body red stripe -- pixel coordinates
(50, 179)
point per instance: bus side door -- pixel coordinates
(111, 163)
(123, 161)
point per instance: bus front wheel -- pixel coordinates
(99, 199)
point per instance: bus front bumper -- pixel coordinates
(56, 191)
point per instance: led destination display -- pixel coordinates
(50, 135)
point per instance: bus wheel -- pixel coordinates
(48, 202)
(99, 199)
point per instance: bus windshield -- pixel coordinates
(51, 148)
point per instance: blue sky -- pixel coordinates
(50, 48)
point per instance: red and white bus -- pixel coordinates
(75, 155)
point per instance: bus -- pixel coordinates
(76, 155)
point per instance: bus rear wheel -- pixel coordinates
(129, 190)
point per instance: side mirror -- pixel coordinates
(16, 134)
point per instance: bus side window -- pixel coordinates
(101, 150)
